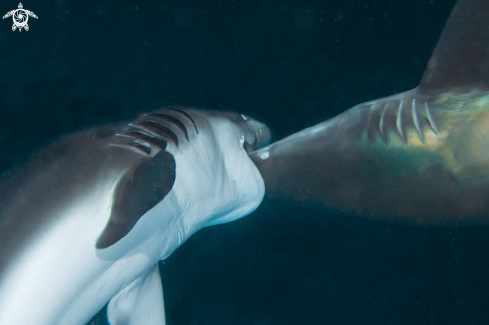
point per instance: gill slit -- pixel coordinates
(368, 122)
(381, 125)
(416, 122)
(399, 123)
(431, 120)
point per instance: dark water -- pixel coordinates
(291, 64)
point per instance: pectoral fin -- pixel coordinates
(140, 303)
(137, 193)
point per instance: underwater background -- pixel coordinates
(290, 64)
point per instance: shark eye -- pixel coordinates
(245, 117)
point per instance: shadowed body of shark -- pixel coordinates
(420, 157)
(86, 220)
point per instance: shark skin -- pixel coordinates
(416, 158)
(85, 221)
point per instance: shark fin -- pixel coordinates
(137, 193)
(140, 303)
(461, 56)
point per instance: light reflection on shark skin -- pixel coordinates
(68, 248)
(417, 158)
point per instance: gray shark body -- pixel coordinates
(420, 157)
(85, 221)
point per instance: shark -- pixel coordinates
(85, 221)
(420, 157)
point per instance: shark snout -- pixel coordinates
(258, 135)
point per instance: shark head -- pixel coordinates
(112, 202)
(256, 134)
(186, 155)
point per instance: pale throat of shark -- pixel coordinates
(214, 181)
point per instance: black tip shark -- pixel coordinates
(85, 221)
(420, 157)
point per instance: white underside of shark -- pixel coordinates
(60, 278)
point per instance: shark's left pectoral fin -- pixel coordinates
(137, 193)
(140, 303)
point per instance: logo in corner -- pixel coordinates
(20, 17)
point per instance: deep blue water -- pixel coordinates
(290, 64)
